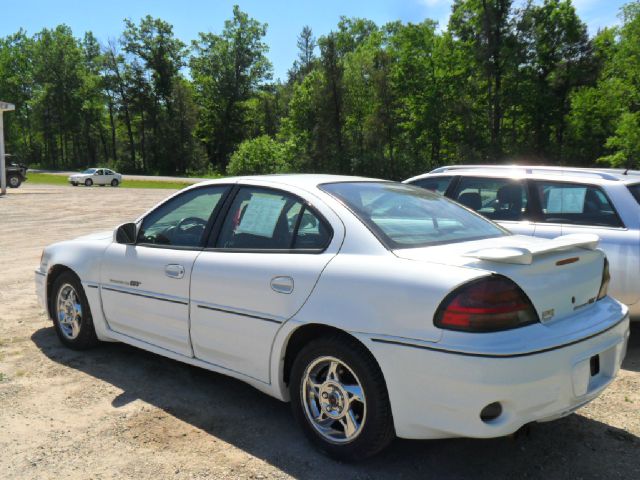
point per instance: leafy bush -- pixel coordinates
(260, 155)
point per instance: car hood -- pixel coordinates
(560, 276)
(80, 175)
(98, 236)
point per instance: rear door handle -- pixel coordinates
(282, 284)
(174, 271)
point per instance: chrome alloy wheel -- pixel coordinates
(69, 311)
(333, 399)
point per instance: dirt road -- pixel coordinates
(118, 412)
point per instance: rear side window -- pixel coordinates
(635, 191)
(435, 184)
(576, 204)
(263, 219)
(495, 198)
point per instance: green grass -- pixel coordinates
(48, 179)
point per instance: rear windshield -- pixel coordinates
(635, 191)
(404, 216)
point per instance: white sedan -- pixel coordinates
(378, 309)
(96, 176)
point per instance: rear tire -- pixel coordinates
(114, 182)
(88, 182)
(14, 181)
(340, 400)
(71, 314)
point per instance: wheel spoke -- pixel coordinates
(354, 392)
(349, 423)
(332, 373)
(313, 386)
(322, 417)
(75, 327)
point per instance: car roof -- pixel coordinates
(302, 180)
(591, 175)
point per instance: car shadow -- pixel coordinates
(632, 360)
(573, 447)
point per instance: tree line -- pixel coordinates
(499, 84)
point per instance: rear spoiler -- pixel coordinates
(524, 255)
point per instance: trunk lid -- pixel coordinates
(560, 276)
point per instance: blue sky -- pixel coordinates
(284, 17)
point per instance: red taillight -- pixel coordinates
(486, 305)
(606, 278)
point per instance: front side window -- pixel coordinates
(99, 172)
(182, 220)
(495, 198)
(265, 219)
(576, 204)
(405, 216)
(435, 184)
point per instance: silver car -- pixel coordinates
(553, 201)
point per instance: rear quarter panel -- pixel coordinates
(383, 294)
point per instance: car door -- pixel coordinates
(108, 176)
(261, 266)
(145, 287)
(572, 207)
(98, 177)
(503, 200)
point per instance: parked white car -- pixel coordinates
(378, 309)
(96, 176)
(551, 201)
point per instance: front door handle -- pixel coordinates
(282, 284)
(174, 271)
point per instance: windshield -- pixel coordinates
(404, 216)
(90, 171)
(635, 191)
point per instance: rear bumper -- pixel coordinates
(438, 394)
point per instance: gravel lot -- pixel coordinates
(118, 412)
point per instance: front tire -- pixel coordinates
(339, 398)
(14, 181)
(88, 182)
(71, 314)
(114, 182)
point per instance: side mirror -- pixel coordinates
(126, 234)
